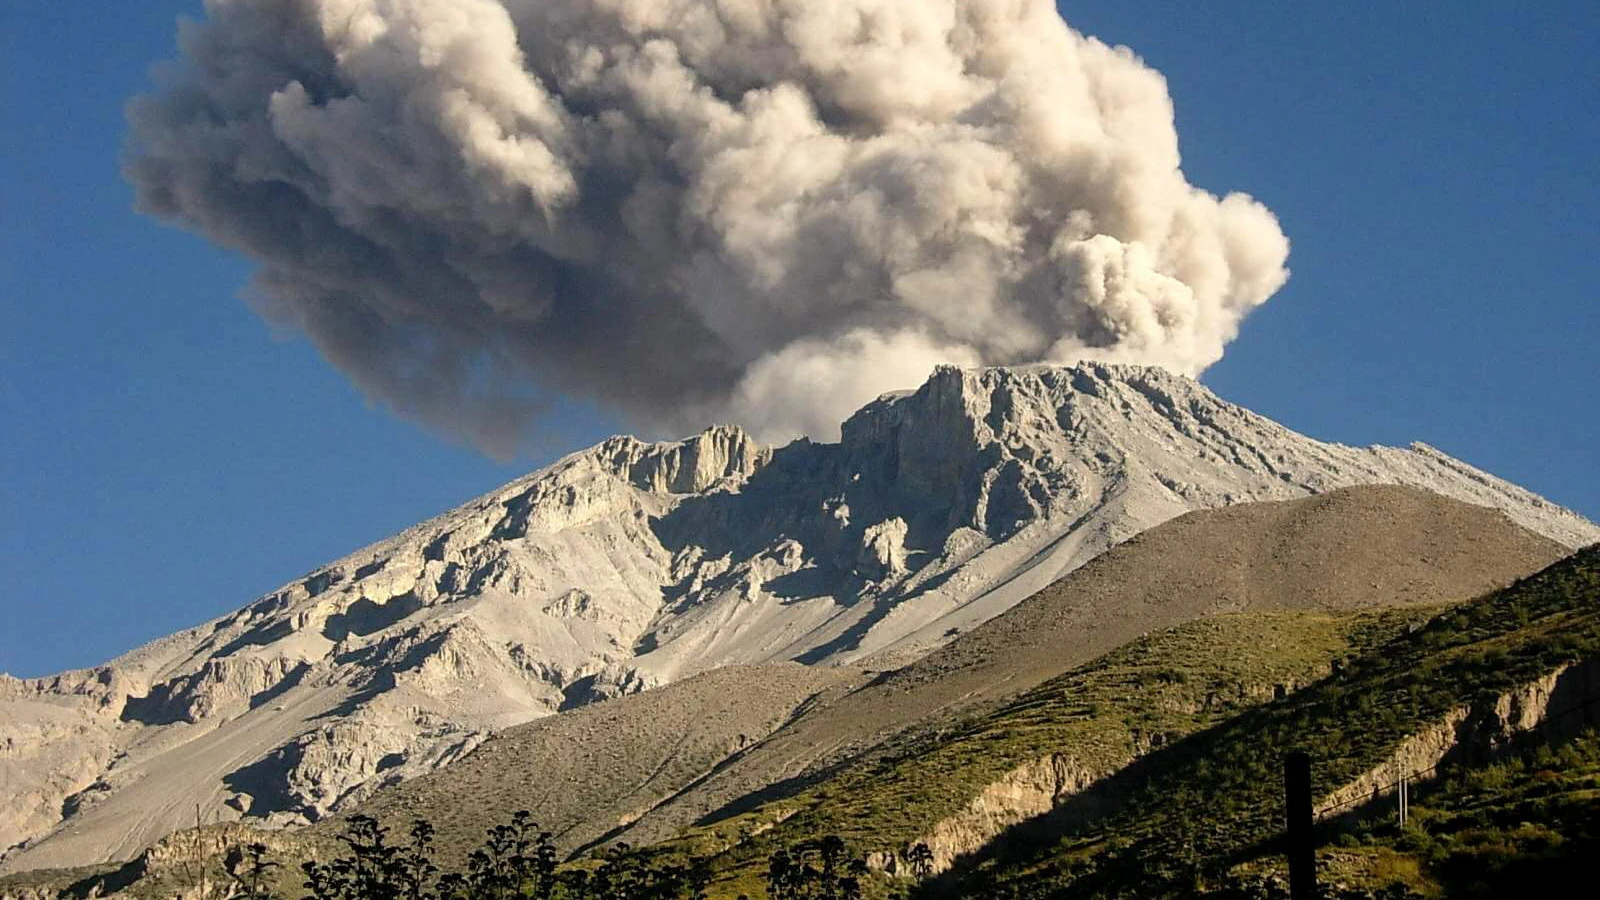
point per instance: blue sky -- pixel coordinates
(167, 457)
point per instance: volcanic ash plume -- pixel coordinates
(763, 211)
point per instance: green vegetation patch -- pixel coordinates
(1525, 825)
(1191, 814)
(1095, 720)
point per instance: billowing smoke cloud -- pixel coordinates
(764, 211)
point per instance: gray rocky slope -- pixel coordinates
(630, 565)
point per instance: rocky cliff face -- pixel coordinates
(1030, 790)
(1557, 706)
(632, 564)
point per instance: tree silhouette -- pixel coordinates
(249, 870)
(516, 860)
(815, 870)
(920, 857)
(375, 868)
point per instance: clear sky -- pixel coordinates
(166, 458)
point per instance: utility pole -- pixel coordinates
(1297, 807)
(1405, 799)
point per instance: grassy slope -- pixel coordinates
(1150, 693)
(1196, 809)
(1525, 825)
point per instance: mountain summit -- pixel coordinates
(632, 564)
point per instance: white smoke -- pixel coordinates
(760, 210)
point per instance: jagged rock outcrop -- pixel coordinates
(633, 564)
(1030, 790)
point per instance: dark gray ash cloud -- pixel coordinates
(760, 211)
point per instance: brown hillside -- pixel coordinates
(1350, 548)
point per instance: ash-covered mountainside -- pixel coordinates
(632, 564)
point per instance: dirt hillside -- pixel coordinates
(593, 769)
